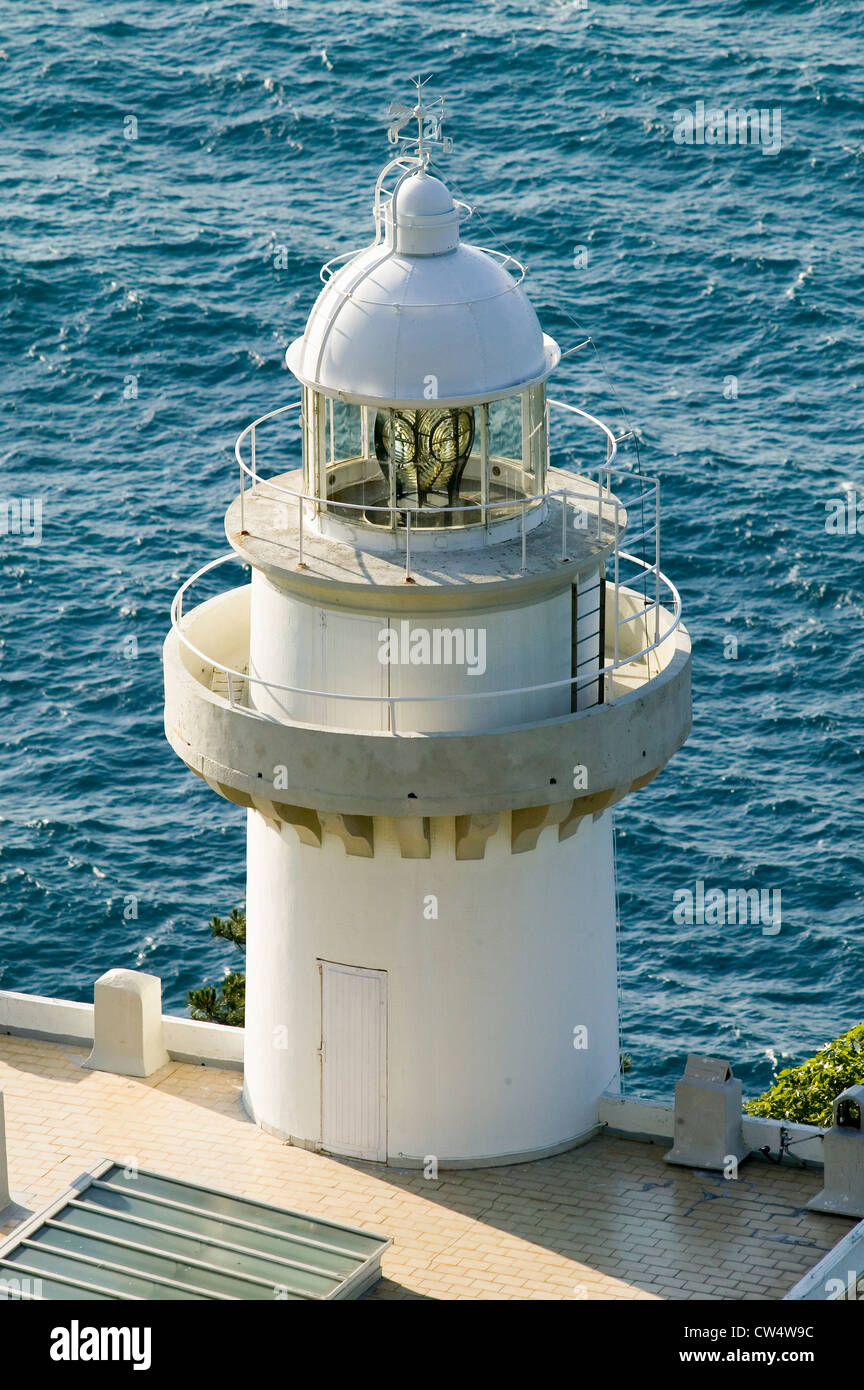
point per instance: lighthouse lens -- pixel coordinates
(396, 439)
(450, 435)
(428, 450)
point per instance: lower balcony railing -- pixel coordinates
(636, 631)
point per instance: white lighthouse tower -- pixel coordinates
(444, 673)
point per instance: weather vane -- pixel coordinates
(429, 118)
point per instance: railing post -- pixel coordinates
(392, 705)
(230, 689)
(616, 612)
(254, 464)
(599, 504)
(484, 464)
(242, 500)
(301, 563)
(524, 538)
(564, 497)
(657, 559)
(5, 1194)
(408, 579)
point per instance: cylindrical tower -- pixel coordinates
(428, 698)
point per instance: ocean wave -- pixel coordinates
(144, 323)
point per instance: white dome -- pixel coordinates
(425, 216)
(420, 316)
(422, 195)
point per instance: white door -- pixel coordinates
(354, 1061)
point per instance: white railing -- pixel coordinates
(505, 260)
(239, 681)
(399, 517)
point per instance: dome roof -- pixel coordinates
(422, 195)
(421, 316)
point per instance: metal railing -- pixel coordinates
(504, 259)
(238, 682)
(597, 495)
(399, 517)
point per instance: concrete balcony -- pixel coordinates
(558, 769)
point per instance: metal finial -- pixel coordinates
(429, 117)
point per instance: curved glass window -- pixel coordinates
(466, 465)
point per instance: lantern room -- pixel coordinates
(423, 367)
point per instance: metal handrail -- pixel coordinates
(326, 272)
(505, 260)
(394, 515)
(606, 671)
(399, 512)
(611, 441)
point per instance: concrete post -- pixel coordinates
(843, 1152)
(127, 1024)
(709, 1126)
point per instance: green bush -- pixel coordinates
(228, 1005)
(804, 1094)
(232, 927)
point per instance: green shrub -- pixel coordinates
(232, 927)
(228, 1005)
(804, 1094)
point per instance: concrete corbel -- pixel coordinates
(593, 805)
(611, 798)
(265, 807)
(643, 781)
(233, 794)
(302, 819)
(472, 832)
(413, 835)
(356, 833)
(572, 821)
(526, 825)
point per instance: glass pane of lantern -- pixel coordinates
(505, 427)
(352, 477)
(345, 431)
(505, 451)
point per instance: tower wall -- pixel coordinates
(482, 998)
(330, 646)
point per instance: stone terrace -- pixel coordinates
(609, 1220)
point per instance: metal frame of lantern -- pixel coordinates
(507, 461)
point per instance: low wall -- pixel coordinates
(644, 1119)
(60, 1020)
(839, 1275)
(213, 1045)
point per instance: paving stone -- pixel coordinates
(607, 1221)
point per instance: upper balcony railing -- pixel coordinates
(508, 262)
(399, 517)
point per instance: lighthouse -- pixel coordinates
(443, 666)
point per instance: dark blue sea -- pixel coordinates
(145, 310)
